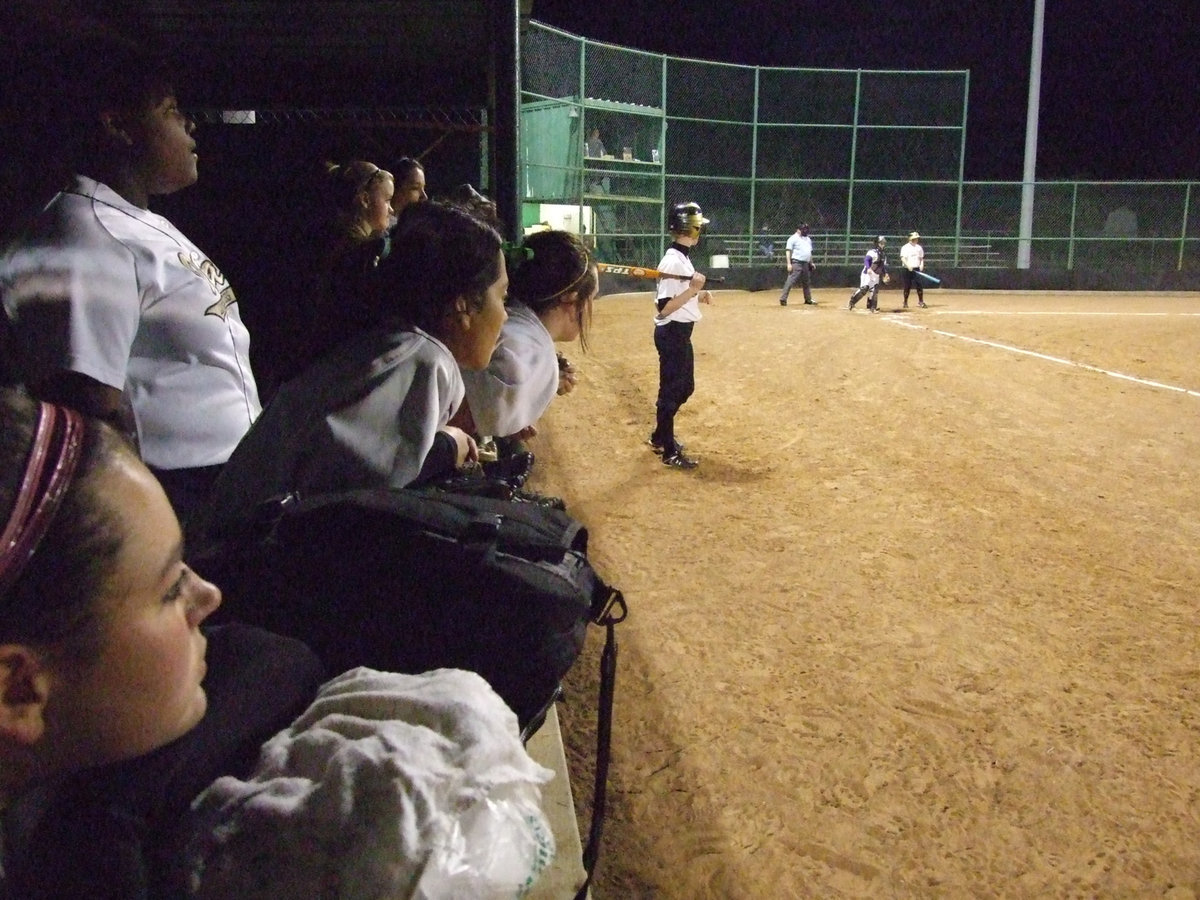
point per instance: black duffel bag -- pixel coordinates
(412, 580)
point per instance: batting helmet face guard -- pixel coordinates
(686, 218)
(881, 241)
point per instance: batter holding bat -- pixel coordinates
(678, 298)
(641, 272)
(912, 257)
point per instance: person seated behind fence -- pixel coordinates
(130, 730)
(551, 287)
(115, 311)
(593, 146)
(766, 245)
(374, 411)
(118, 705)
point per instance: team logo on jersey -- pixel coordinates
(220, 285)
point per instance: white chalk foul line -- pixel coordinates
(1044, 312)
(1054, 359)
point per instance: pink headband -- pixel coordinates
(57, 444)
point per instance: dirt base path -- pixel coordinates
(923, 623)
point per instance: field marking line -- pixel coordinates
(1054, 359)
(1046, 312)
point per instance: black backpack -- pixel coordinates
(409, 580)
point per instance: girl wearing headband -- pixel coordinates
(361, 198)
(550, 293)
(111, 720)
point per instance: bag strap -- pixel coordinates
(613, 611)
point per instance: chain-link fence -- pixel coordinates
(616, 134)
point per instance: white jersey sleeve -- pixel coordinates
(520, 381)
(71, 289)
(679, 269)
(115, 292)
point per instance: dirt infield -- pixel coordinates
(924, 621)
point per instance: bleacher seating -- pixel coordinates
(747, 252)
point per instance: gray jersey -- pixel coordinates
(364, 416)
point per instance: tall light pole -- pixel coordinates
(1031, 127)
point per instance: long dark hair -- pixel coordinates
(404, 167)
(51, 603)
(438, 252)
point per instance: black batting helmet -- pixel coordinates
(686, 218)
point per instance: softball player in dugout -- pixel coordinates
(550, 296)
(679, 295)
(115, 312)
(375, 412)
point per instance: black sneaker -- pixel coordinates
(922, 304)
(539, 500)
(514, 470)
(810, 302)
(783, 303)
(677, 460)
(658, 448)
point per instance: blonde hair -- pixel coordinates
(347, 184)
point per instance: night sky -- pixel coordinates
(1120, 94)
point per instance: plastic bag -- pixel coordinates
(494, 850)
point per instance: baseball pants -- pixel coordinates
(676, 377)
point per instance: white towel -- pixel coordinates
(388, 786)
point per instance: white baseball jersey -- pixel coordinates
(365, 415)
(912, 256)
(681, 270)
(102, 287)
(517, 386)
